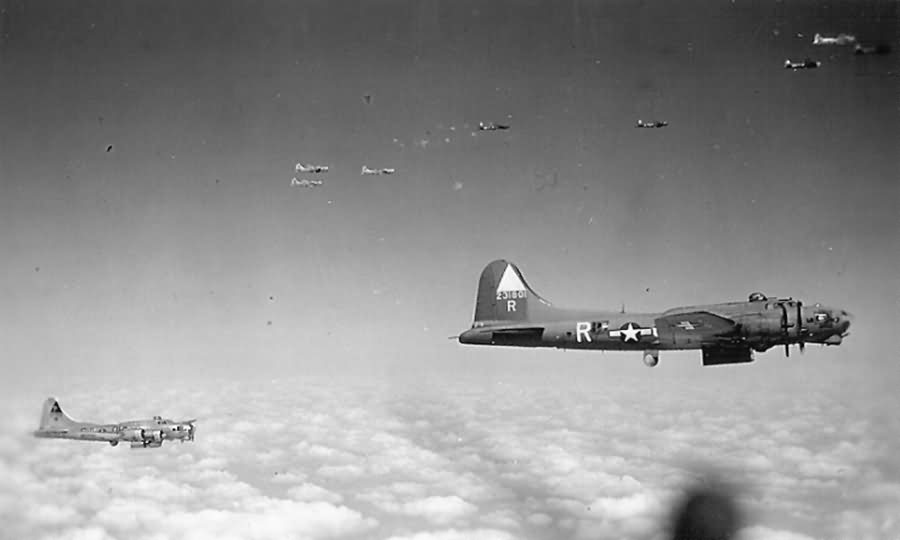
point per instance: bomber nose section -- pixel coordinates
(845, 319)
(841, 324)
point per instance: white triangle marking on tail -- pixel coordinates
(510, 281)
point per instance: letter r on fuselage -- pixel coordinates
(582, 329)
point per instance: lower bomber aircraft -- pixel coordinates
(55, 424)
(509, 313)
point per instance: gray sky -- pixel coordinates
(165, 251)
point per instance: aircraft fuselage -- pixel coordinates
(760, 325)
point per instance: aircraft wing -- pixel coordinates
(702, 323)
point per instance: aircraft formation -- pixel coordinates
(366, 170)
(308, 169)
(509, 313)
(55, 424)
(840, 40)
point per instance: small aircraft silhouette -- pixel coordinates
(366, 170)
(509, 313)
(491, 126)
(805, 64)
(304, 168)
(306, 182)
(880, 48)
(55, 424)
(654, 124)
(840, 39)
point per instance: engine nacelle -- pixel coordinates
(153, 436)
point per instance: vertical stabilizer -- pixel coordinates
(53, 417)
(504, 296)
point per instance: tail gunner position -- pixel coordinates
(509, 313)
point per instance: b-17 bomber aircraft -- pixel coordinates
(879, 48)
(509, 313)
(304, 168)
(491, 126)
(651, 125)
(365, 170)
(840, 39)
(306, 182)
(55, 424)
(805, 64)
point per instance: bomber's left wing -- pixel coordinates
(702, 323)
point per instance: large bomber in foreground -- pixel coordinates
(509, 313)
(55, 424)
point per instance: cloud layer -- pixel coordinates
(314, 458)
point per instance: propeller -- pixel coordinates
(785, 325)
(191, 430)
(784, 330)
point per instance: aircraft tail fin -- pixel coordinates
(504, 296)
(53, 416)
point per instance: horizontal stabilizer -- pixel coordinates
(521, 337)
(535, 330)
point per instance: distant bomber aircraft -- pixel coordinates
(55, 424)
(509, 313)
(805, 64)
(654, 124)
(491, 126)
(840, 39)
(366, 170)
(880, 48)
(306, 182)
(303, 168)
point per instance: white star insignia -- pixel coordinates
(630, 333)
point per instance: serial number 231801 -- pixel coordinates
(510, 295)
